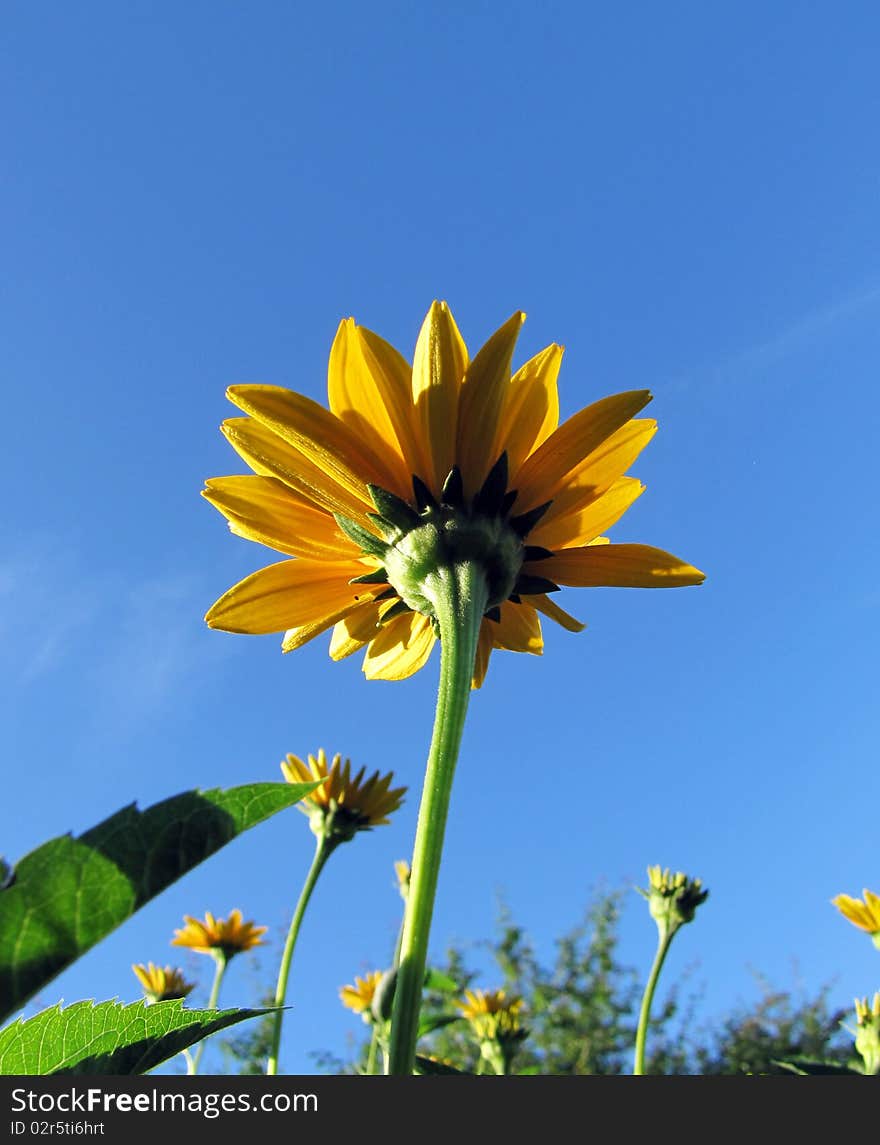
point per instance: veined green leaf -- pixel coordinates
(108, 1037)
(69, 893)
(431, 1066)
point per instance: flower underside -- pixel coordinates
(416, 469)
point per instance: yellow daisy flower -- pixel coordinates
(161, 983)
(229, 936)
(491, 1013)
(359, 997)
(865, 915)
(449, 459)
(344, 802)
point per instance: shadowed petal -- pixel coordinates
(401, 648)
(439, 363)
(287, 595)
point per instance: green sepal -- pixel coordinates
(393, 509)
(377, 576)
(507, 503)
(388, 594)
(396, 610)
(491, 496)
(425, 499)
(530, 585)
(493, 613)
(536, 553)
(361, 536)
(525, 522)
(452, 493)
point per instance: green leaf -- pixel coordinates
(108, 1037)
(429, 1022)
(431, 1066)
(435, 980)
(69, 893)
(810, 1067)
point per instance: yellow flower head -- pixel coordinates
(418, 468)
(162, 983)
(865, 915)
(359, 997)
(344, 804)
(404, 874)
(868, 1033)
(492, 1015)
(673, 898)
(226, 937)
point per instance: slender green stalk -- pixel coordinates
(221, 962)
(323, 849)
(374, 1046)
(647, 999)
(459, 595)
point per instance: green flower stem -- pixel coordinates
(374, 1047)
(459, 596)
(323, 850)
(648, 998)
(221, 962)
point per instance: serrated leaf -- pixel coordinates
(432, 1066)
(69, 893)
(108, 1037)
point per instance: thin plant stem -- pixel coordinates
(323, 849)
(221, 962)
(374, 1046)
(459, 595)
(647, 999)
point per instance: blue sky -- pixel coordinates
(684, 196)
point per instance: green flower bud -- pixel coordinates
(868, 1033)
(672, 898)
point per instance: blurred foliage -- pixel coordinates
(581, 1013)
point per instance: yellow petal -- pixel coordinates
(579, 528)
(519, 629)
(317, 434)
(485, 385)
(287, 595)
(355, 630)
(356, 399)
(439, 363)
(268, 455)
(531, 408)
(598, 472)
(401, 648)
(392, 375)
(484, 651)
(621, 566)
(265, 510)
(551, 609)
(544, 472)
(295, 637)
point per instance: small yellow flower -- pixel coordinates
(217, 935)
(868, 1032)
(491, 1013)
(865, 915)
(672, 898)
(344, 804)
(359, 997)
(404, 873)
(415, 468)
(160, 984)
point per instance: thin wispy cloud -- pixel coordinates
(801, 336)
